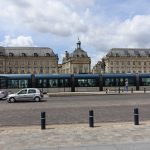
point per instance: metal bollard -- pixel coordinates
(131, 90)
(91, 118)
(43, 120)
(144, 90)
(136, 116)
(119, 90)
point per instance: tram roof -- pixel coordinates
(53, 76)
(16, 76)
(121, 75)
(83, 76)
(147, 75)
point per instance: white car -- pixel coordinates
(3, 94)
(26, 95)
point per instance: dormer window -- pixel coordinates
(117, 55)
(1, 54)
(11, 54)
(139, 55)
(48, 54)
(24, 54)
(35, 55)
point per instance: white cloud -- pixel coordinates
(48, 16)
(19, 41)
(133, 33)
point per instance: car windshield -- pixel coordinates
(22, 91)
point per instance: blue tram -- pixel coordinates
(74, 82)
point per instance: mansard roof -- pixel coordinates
(129, 52)
(28, 51)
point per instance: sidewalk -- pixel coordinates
(104, 136)
(95, 93)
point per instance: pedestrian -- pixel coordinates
(126, 85)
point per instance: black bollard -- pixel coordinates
(136, 116)
(43, 120)
(144, 90)
(119, 90)
(131, 90)
(91, 118)
(106, 91)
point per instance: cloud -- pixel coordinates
(129, 33)
(19, 41)
(49, 16)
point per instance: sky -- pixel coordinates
(99, 24)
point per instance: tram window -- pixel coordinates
(86, 83)
(109, 82)
(131, 81)
(64, 83)
(53, 83)
(2, 83)
(122, 83)
(17, 83)
(42, 83)
(145, 82)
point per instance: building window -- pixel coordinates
(139, 63)
(35, 62)
(48, 54)
(111, 62)
(48, 62)
(128, 62)
(1, 54)
(1, 62)
(24, 54)
(11, 54)
(41, 69)
(133, 62)
(35, 55)
(117, 62)
(111, 69)
(144, 63)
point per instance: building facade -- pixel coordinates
(23, 60)
(76, 62)
(127, 60)
(99, 67)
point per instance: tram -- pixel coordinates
(74, 82)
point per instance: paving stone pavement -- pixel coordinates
(105, 136)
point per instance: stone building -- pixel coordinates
(127, 60)
(76, 62)
(99, 67)
(23, 60)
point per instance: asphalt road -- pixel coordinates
(75, 109)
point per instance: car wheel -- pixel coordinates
(37, 99)
(11, 100)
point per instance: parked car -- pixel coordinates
(26, 94)
(3, 94)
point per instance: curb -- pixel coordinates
(92, 93)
